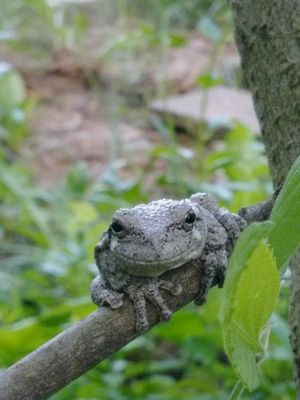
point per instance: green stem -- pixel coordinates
(237, 392)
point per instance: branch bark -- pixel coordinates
(82, 346)
(268, 38)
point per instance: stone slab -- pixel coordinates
(218, 106)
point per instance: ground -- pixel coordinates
(96, 109)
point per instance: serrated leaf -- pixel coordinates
(256, 294)
(247, 242)
(284, 237)
(244, 362)
(252, 284)
(252, 290)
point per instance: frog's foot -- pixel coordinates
(102, 294)
(211, 276)
(142, 289)
(233, 224)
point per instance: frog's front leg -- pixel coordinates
(213, 264)
(142, 289)
(233, 225)
(101, 293)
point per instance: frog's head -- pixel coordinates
(150, 239)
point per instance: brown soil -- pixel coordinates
(89, 108)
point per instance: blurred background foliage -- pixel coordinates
(48, 230)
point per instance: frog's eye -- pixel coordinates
(117, 227)
(190, 217)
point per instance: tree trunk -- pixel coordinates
(268, 38)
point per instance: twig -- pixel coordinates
(261, 211)
(84, 345)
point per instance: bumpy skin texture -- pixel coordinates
(145, 241)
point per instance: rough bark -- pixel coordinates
(84, 345)
(268, 38)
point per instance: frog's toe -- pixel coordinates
(153, 295)
(166, 314)
(115, 300)
(174, 288)
(201, 299)
(142, 324)
(102, 294)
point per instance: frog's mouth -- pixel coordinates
(155, 268)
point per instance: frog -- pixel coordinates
(143, 242)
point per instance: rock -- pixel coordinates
(216, 107)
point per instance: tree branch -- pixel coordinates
(261, 211)
(82, 346)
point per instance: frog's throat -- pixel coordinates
(155, 267)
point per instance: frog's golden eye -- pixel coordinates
(190, 217)
(117, 227)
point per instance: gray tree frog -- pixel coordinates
(145, 241)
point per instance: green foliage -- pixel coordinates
(145, 36)
(239, 162)
(176, 13)
(253, 296)
(208, 81)
(286, 218)
(13, 107)
(252, 284)
(47, 236)
(12, 91)
(56, 27)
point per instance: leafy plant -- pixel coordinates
(47, 236)
(252, 284)
(13, 107)
(237, 173)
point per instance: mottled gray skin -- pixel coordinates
(145, 241)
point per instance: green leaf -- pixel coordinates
(252, 284)
(12, 88)
(252, 291)
(176, 40)
(284, 237)
(25, 335)
(34, 212)
(208, 81)
(237, 392)
(246, 244)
